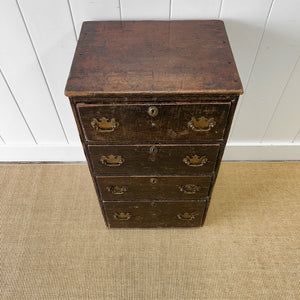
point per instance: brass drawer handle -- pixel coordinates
(187, 216)
(190, 188)
(117, 190)
(202, 124)
(104, 125)
(112, 160)
(122, 216)
(195, 160)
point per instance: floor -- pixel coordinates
(54, 243)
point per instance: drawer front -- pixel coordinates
(152, 188)
(150, 123)
(153, 160)
(154, 213)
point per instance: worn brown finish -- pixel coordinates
(118, 57)
(151, 187)
(140, 160)
(171, 123)
(124, 214)
(153, 102)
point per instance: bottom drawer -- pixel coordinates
(124, 214)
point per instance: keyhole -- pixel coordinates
(153, 150)
(153, 180)
(152, 111)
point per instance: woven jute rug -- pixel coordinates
(54, 243)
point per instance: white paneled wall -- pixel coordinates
(38, 39)
(86, 10)
(274, 63)
(25, 77)
(54, 41)
(195, 9)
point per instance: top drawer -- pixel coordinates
(143, 123)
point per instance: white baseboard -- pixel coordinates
(74, 153)
(258, 151)
(41, 153)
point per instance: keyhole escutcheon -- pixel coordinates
(152, 111)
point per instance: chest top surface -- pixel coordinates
(153, 57)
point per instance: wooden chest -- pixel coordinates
(153, 101)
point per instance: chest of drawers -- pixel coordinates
(153, 102)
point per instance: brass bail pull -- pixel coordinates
(122, 216)
(104, 124)
(195, 160)
(202, 124)
(112, 160)
(187, 216)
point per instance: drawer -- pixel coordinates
(153, 160)
(154, 213)
(150, 123)
(152, 188)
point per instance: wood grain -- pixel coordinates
(154, 213)
(139, 161)
(148, 188)
(153, 150)
(172, 124)
(153, 57)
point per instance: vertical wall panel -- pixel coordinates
(23, 74)
(245, 22)
(13, 127)
(38, 43)
(285, 122)
(50, 26)
(274, 63)
(145, 9)
(96, 10)
(195, 9)
(297, 137)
